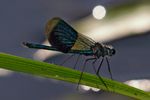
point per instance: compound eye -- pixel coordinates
(113, 51)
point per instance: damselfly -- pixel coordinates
(64, 38)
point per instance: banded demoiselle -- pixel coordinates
(64, 38)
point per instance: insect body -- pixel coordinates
(64, 38)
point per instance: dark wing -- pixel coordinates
(60, 35)
(64, 38)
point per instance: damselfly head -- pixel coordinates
(111, 50)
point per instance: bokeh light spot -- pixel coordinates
(99, 12)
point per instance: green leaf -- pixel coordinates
(43, 69)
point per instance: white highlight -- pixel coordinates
(4, 72)
(99, 12)
(87, 88)
(143, 84)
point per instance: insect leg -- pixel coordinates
(83, 70)
(94, 65)
(97, 73)
(76, 62)
(66, 59)
(95, 69)
(109, 68)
